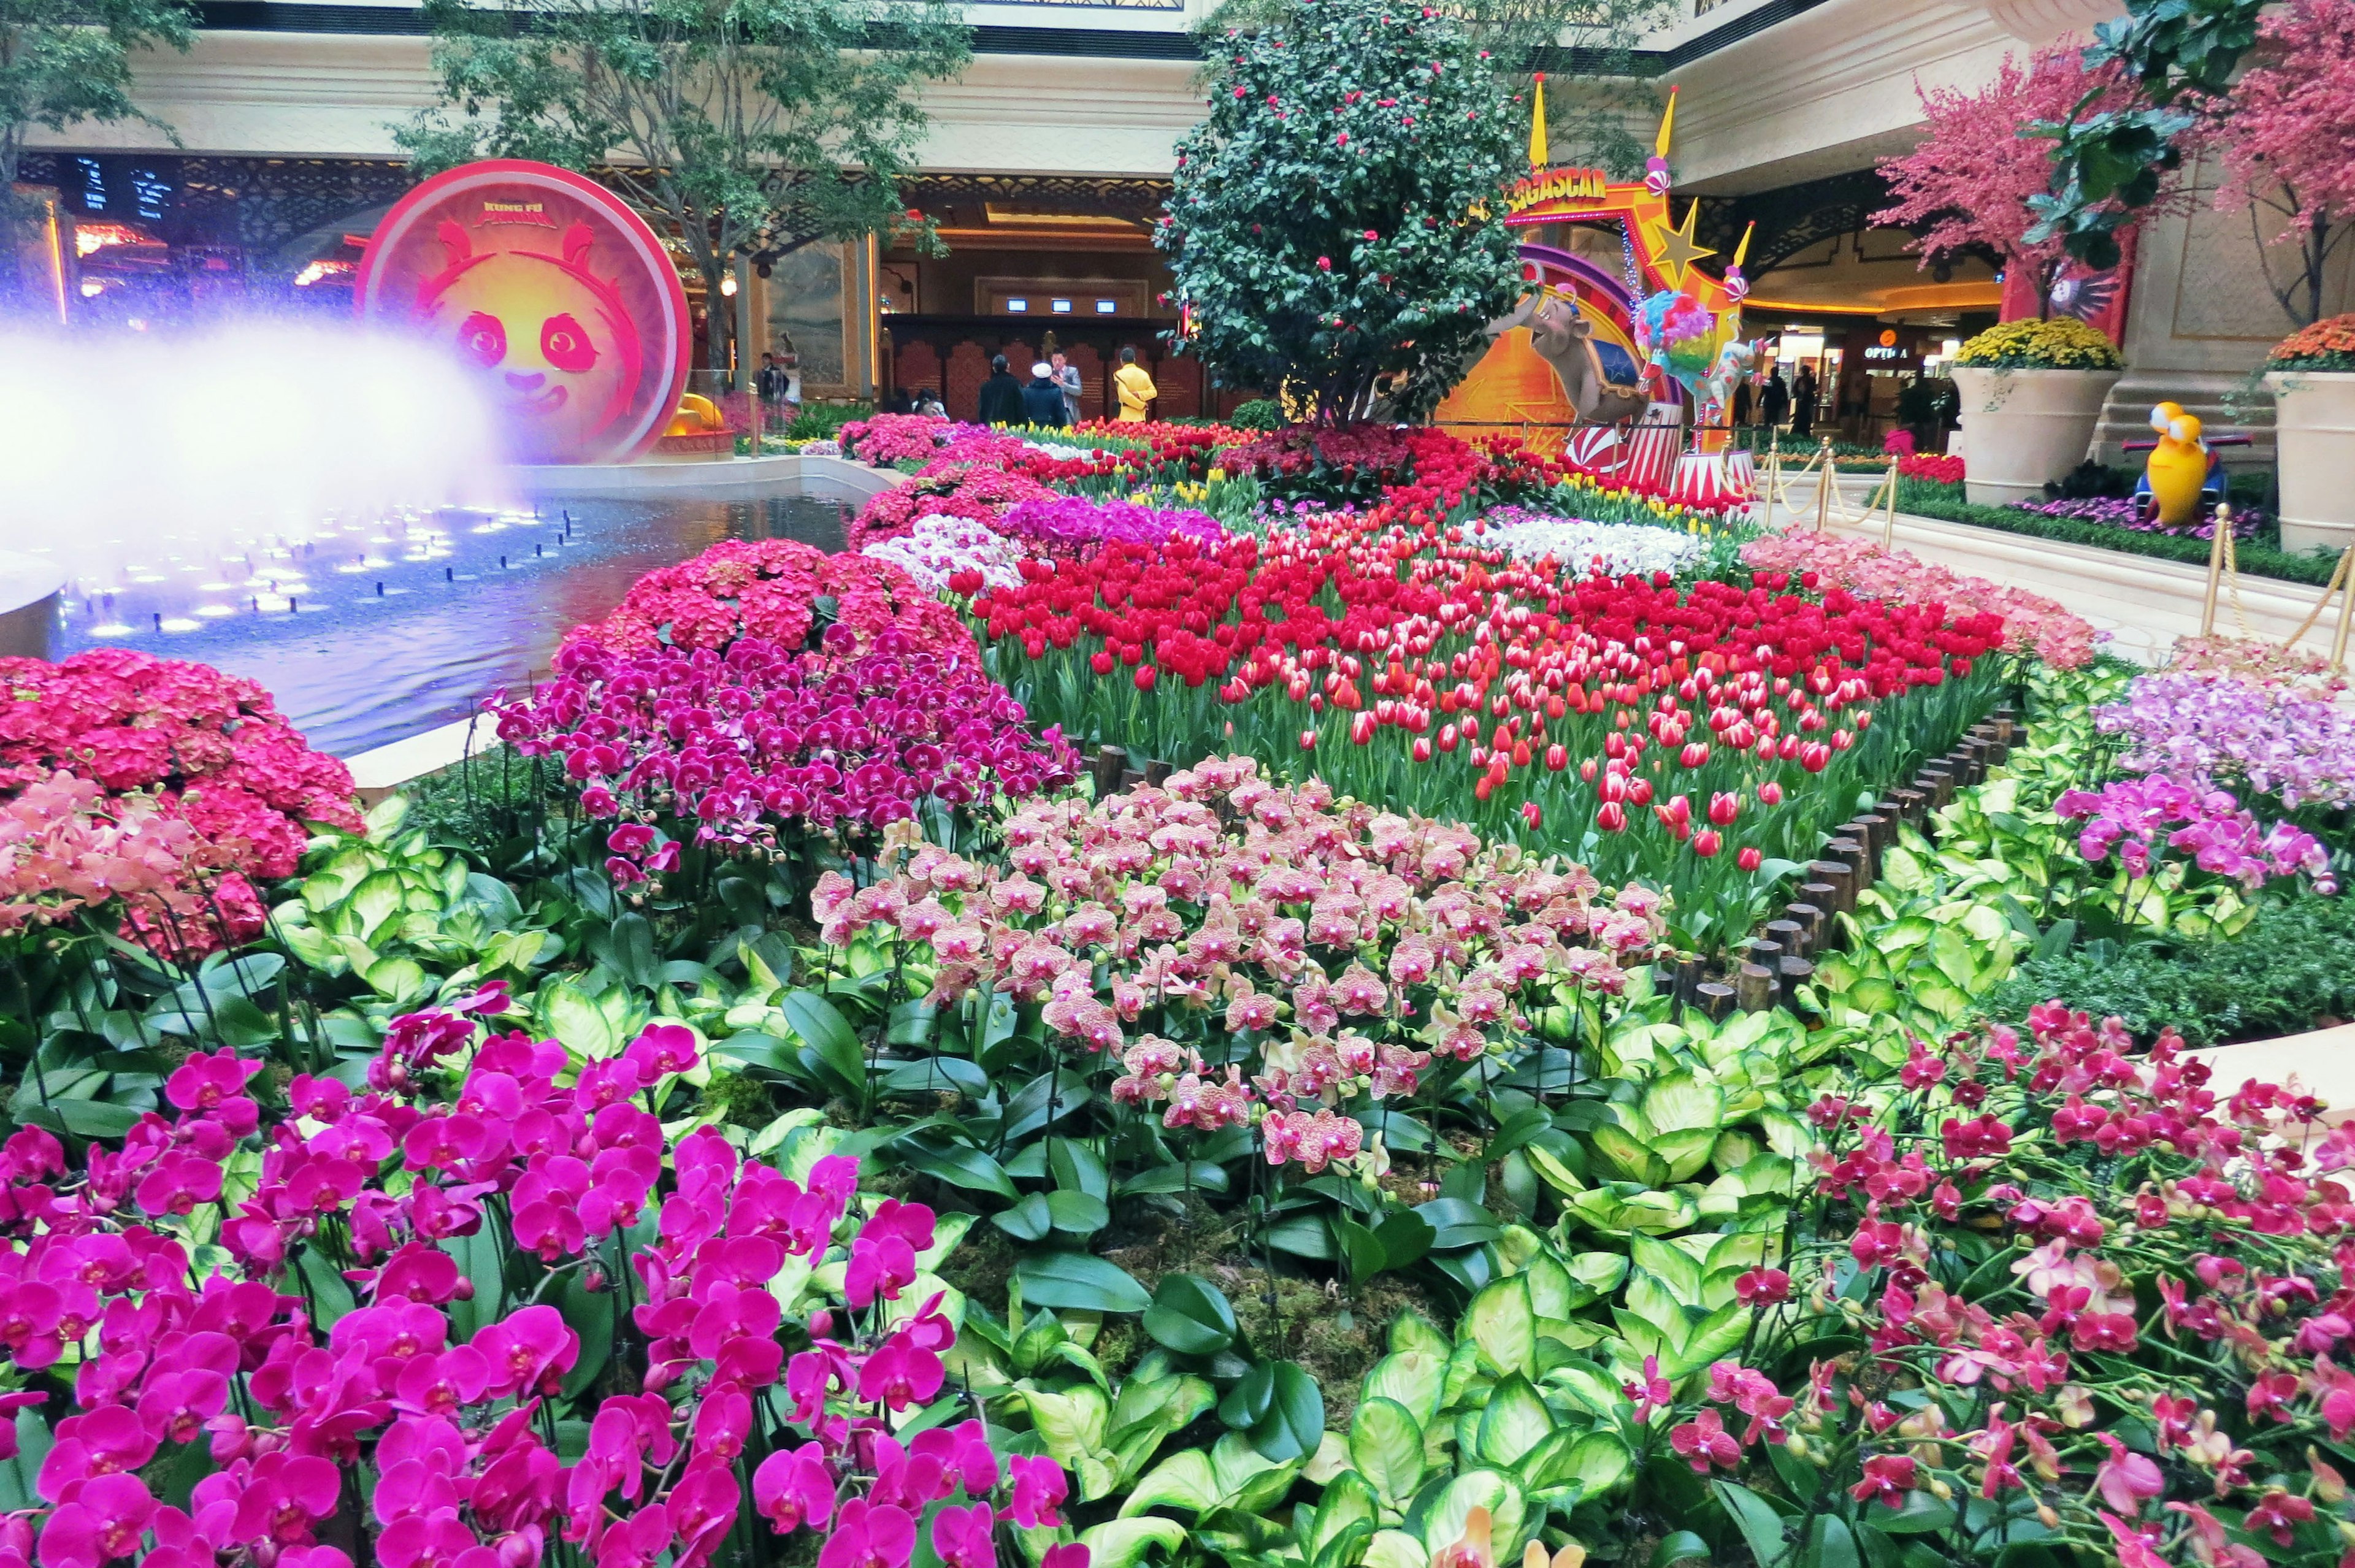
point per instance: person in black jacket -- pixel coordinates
(1774, 399)
(1042, 399)
(1001, 396)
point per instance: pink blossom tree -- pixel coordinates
(2285, 133)
(1966, 186)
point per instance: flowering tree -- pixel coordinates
(2283, 131)
(1318, 223)
(1970, 182)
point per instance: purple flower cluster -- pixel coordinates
(2217, 729)
(364, 1189)
(1073, 526)
(2141, 819)
(2124, 512)
(724, 746)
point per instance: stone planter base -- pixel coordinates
(2314, 432)
(2025, 429)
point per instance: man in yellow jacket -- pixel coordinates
(1136, 388)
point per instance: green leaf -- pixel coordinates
(1760, 1525)
(1077, 1168)
(1046, 1098)
(1386, 1447)
(956, 1165)
(1681, 1547)
(1360, 1248)
(630, 944)
(1172, 1178)
(1414, 1378)
(1349, 1501)
(1190, 1316)
(1182, 1481)
(1830, 1545)
(1028, 1221)
(1079, 1281)
(1502, 1322)
(1456, 1223)
(1077, 1214)
(1516, 1421)
(1123, 1542)
(1601, 1461)
(1629, 1155)
(1405, 1236)
(481, 1260)
(819, 1024)
(1919, 1513)
(1248, 1402)
(1478, 1489)
(935, 1075)
(1302, 1235)
(568, 1013)
(1295, 1423)
(19, 1474)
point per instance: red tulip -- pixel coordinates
(1361, 728)
(1748, 857)
(1695, 753)
(1557, 757)
(1724, 808)
(1770, 793)
(1447, 737)
(1146, 675)
(1533, 815)
(1308, 739)
(1706, 843)
(1101, 661)
(1611, 817)
(1420, 750)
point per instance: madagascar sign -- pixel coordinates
(549, 289)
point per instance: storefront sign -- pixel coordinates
(556, 295)
(1556, 185)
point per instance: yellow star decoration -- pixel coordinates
(1674, 250)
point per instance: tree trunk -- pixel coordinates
(719, 318)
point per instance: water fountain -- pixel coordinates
(321, 508)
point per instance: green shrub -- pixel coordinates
(2293, 966)
(1260, 413)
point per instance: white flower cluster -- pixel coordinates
(941, 545)
(1579, 546)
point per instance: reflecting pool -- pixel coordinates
(370, 630)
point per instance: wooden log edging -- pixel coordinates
(1781, 954)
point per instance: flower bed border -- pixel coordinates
(1921, 499)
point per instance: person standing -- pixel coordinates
(1001, 396)
(769, 386)
(1742, 402)
(1802, 402)
(1136, 388)
(1042, 399)
(1067, 376)
(1773, 399)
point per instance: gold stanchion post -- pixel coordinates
(1824, 486)
(2346, 610)
(1889, 521)
(2224, 531)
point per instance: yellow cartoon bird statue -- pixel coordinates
(2176, 473)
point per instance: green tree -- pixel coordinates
(69, 63)
(1333, 222)
(740, 127)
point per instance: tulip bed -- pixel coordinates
(813, 1127)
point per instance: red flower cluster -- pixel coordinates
(1417, 468)
(770, 589)
(213, 747)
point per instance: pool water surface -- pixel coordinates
(373, 631)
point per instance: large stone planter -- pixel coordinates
(2313, 441)
(2025, 429)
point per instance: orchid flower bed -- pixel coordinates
(1582, 547)
(481, 1310)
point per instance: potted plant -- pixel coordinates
(2031, 394)
(2312, 376)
